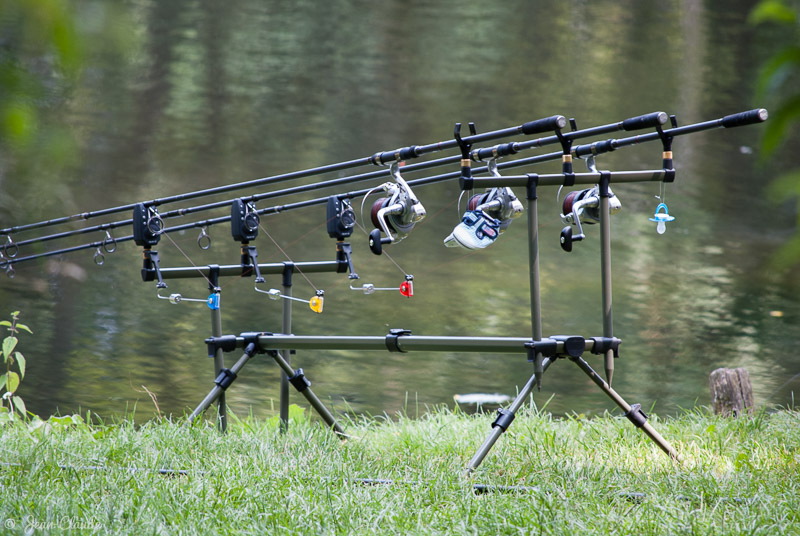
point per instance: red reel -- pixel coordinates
(569, 201)
(376, 206)
(475, 201)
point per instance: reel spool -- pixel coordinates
(395, 215)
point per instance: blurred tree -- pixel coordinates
(778, 83)
(40, 60)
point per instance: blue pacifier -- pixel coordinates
(661, 218)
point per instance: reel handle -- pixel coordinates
(567, 238)
(376, 243)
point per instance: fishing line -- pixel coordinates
(210, 284)
(287, 257)
(384, 253)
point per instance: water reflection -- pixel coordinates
(210, 96)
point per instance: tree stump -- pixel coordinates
(731, 392)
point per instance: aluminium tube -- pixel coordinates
(647, 428)
(312, 399)
(218, 391)
(497, 431)
(219, 359)
(286, 327)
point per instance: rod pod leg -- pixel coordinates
(222, 382)
(219, 360)
(286, 326)
(634, 414)
(299, 381)
(505, 416)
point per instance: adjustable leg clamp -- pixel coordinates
(573, 345)
(636, 415)
(504, 419)
(604, 344)
(299, 381)
(226, 343)
(225, 378)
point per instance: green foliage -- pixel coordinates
(10, 379)
(778, 81)
(41, 48)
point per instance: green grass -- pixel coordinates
(583, 476)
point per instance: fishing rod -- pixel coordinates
(730, 121)
(558, 122)
(379, 158)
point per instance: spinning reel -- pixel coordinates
(488, 215)
(395, 215)
(498, 203)
(583, 206)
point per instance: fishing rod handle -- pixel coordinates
(544, 125)
(645, 121)
(398, 155)
(749, 117)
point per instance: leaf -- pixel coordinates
(9, 343)
(12, 382)
(779, 123)
(2, 381)
(5, 323)
(771, 11)
(777, 70)
(20, 405)
(785, 187)
(24, 328)
(21, 364)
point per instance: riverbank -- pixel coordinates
(548, 476)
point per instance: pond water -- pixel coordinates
(204, 94)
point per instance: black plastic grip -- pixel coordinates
(504, 149)
(645, 121)
(544, 125)
(397, 155)
(745, 118)
(598, 147)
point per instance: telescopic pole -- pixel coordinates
(216, 331)
(286, 327)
